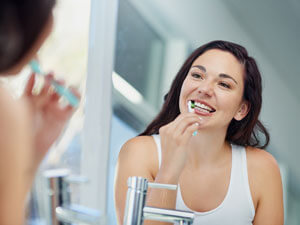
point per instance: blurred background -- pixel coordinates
(152, 40)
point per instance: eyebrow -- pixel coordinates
(223, 75)
(227, 76)
(200, 67)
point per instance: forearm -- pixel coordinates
(13, 193)
(162, 198)
(29, 175)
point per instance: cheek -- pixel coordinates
(188, 87)
(184, 92)
(181, 98)
(230, 103)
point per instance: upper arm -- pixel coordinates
(15, 145)
(268, 187)
(136, 158)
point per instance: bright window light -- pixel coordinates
(126, 89)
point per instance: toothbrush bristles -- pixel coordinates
(192, 104)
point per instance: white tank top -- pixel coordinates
(237, 207)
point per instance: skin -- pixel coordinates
(29, 126)
(184, 156)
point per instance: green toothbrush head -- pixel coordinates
(193, 104)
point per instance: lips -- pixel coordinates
(201, 106)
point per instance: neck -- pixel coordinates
(207, 148)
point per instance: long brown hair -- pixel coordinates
(246, 132)
(21, 22)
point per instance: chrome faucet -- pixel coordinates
(136, 211)
(61, 211)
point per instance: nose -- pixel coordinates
(206, 88)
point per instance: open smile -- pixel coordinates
(200, 107)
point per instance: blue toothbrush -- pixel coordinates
(61, 90)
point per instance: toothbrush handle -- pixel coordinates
(62, 91)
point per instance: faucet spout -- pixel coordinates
(75, 214)
(136, 211)
(168, 215)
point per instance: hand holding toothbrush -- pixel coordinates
(49, 116)
(175, 137)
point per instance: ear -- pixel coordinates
(243, 111)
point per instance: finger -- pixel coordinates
(172, 126)
(69, 108)
(178, 120)
(177, 123)
(61, 82)
(75, 91)
(46, 88)
(42, 101)
(30, 85)
(185, 123)
(49, 76)
(189, 132)
(54, 95)
(63, 101)
(66, 110)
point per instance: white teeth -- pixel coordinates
(203, 106)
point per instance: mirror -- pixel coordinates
(154, 38)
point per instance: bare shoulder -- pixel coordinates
(265, 186)
(263, 172)
(12, 109)
(261, 160)
(140, 150)
(15, 129)
(140, 146)
(7, 103)
(15, 132)
(13, 113)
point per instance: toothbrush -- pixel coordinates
(61, 90)
(191, 106)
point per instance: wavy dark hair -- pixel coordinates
(21, 22)
(246, 132)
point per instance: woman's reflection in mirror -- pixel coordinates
(209, 140)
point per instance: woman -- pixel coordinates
(212, 149)
(29, 125)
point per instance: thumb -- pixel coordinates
(30, 85)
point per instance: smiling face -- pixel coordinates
(215, 85)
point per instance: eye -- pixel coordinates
(197, 75)
(225, 85)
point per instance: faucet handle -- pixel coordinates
(76, 179)
(142, 184)
(163, 186)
